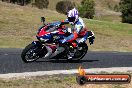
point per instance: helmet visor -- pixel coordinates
(71, 19)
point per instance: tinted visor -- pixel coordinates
(71, 19)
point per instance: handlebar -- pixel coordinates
(62, 23)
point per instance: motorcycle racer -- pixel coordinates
(78, 26)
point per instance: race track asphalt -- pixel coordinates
(11, 62)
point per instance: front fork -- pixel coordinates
(42, 50)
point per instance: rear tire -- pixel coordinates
(82, 52)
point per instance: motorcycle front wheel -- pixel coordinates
(29, 54)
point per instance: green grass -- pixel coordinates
(18, 27)
(111, 36)
(59, 81)
(110, 18)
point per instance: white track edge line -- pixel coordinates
(71, 71)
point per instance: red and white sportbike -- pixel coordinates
(49, 44)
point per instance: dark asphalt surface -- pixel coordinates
(10, 62)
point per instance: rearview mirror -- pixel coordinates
(43, 19)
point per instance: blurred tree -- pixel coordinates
(64, 6)
(116, 8)
(87, 9)
(126, 10)
(20, 2)
(42, 3)
(33, 2)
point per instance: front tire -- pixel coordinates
(28, 54)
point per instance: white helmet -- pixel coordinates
(73, 15)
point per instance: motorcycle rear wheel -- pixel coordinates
(80, 53)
